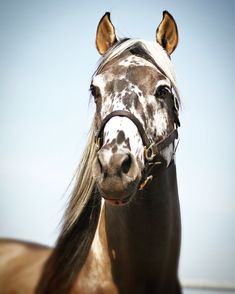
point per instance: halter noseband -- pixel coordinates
(151, 149)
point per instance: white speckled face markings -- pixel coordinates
(163, 82)
(132, 142)
(134, 60)
(99, 81)
(160, 120)
(134, 92)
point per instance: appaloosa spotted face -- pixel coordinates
(130, 79)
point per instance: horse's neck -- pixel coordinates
(142, 236)
(135, 248)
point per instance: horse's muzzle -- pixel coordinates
(117, 175)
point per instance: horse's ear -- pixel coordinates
(167, 33)
(105, 35)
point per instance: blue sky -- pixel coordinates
(47, 59)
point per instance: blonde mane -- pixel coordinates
(80, 223)
(84, 183)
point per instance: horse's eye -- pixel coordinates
(95, 92)
(162, 92)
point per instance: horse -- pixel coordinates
(121, 231)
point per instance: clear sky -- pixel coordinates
(46, 62)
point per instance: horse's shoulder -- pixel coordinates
(20, 246)
(20, 259)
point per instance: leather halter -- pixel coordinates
(151, 149)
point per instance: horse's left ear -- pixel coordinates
(167, 33)
(105, 35)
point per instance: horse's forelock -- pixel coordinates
(152, 49)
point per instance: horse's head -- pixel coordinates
(136, 107)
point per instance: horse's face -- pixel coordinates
(132, 83)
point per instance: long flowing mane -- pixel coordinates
(82, 214)
(80, 222)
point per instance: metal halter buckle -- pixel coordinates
(149, 153)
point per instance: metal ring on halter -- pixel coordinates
(149, 152)
(176, 103)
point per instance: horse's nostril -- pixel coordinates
(126, 164)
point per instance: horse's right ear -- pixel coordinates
(105, 35)
(167, 33)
